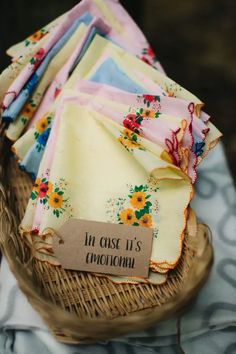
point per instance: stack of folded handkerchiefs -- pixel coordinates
(104, 133)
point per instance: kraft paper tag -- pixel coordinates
(106, 248)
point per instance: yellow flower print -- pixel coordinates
(50, 187)
(170, 94)
(129, 140)
(41, 124)
(27, 110)
(145, 220)
(131, 143)
(55, 200)
(127, 216)
(128, 143)
(148, 113)
(36, 185)
(127, 133)
(35, 36)
(138, 200)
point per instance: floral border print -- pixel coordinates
(130, 140)
(148, 99)
(139, 213)
(133, 120)
(148, 56)
(42, 124)
(28, 111)
(172, 89)
(137, 209)
(35, 37)
(52, 196)
(36, 60)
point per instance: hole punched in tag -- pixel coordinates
(56, 233)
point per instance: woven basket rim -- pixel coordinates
(69, 327)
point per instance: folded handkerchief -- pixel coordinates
(111, 71)
(138, 188)
(31, 106)
(122, 65)
(37, 59)
(13, 70)
(12, 111)
(122, 23)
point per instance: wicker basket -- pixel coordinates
(79, 307)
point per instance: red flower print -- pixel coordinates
(130, 122)
(127, 124)
(43, 190)
(150, 52)
(40, 53)
(132, 118)
(57, 91)
(37, 58)
(148, 98)
(146, 60)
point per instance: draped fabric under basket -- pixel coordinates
(80, 307)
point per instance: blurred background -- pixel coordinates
(194, 40)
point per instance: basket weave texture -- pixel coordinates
(80, 307)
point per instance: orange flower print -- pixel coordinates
(127, 216)
(27, 110)
(145, 220)
(171, 89)
(127, 133)
(36, 189)
(36, 185)
(51, 196)
(41, 124)
(128, 143)
(138, 200)
(129, 140)
(55, 200)
(50, 186)
(170, 94)
(147, 113)
(35, 37)
(142, 206)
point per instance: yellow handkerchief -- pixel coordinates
(94, 175)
